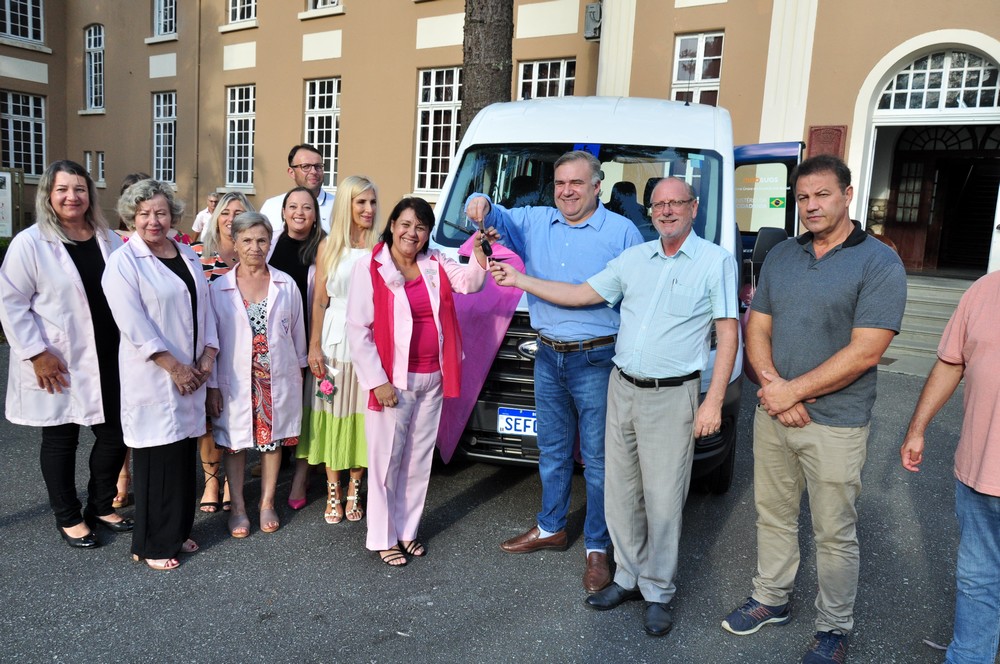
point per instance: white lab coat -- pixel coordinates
(152, 307)
(43, 307)
(286, 342)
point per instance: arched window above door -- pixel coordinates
(937, 138)
(944, 80)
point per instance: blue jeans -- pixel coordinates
(571, 394)
(977, 601)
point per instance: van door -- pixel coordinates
(763, 195)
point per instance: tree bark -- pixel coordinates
(486, 52)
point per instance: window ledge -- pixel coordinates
(100, 184)
(239, 25)
(32, 179)
(319, 13)
(246, 189)
(431, 196)
(92, 111)
(159, 39)
(26, 45)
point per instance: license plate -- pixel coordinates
(516, 421)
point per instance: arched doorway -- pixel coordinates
(936, 161)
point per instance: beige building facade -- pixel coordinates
(211, 94)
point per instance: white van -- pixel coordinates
(508, 152)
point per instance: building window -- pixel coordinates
(164, 17)
(22, 126)
(946, 79)
(242, 10)
(697, 68)
(323, 123)
(547, 78)
(438, 108)
(99, 178)
(21, 19)
(94, 67)
(322, 4)
(165, 136)
(241, 120)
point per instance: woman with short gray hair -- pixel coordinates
(255, 398)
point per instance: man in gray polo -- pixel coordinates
(671, 291)
(827, 305)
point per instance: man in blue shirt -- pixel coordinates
(671, 291)
(570, 242)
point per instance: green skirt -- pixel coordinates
(333, 432)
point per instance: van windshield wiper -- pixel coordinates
(464, 229)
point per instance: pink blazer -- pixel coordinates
(361, 311)
(43, 307)
(286, 342)
(152, 307)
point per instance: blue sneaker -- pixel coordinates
(753, 615)
(827, 648)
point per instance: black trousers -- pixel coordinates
(163, 478)
(58, 461)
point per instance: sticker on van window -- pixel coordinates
(592, 148)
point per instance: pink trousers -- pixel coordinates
(400, 452)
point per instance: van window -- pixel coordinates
(522, 175)
(761, 196)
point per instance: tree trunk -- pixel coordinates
(486, 51)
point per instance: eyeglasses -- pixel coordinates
(659, 206)
(308, 168)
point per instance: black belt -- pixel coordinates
(659, 382)
(573, 346)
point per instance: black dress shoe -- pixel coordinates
(123, 526)
(88, 541)
(658, 619)
(611, 597)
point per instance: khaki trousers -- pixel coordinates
(826, 461)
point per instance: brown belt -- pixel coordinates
(659, 382)
(573, 346)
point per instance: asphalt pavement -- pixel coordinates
(311, 592)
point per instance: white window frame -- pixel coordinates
(100, 179)
(165, 136)
(693, 89)
(321, 4)
(537, 74)
(93, 65)
(88, 163)
(164, 18)
(28, 118)
(241, 11)
(439, 105)
(241, 122)
(26, 26)
(322, 124)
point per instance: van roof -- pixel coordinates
(625, 120)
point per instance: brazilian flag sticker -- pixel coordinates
(776, 203)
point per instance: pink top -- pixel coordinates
(971, 340)
(424, 348)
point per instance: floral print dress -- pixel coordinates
(260, 380)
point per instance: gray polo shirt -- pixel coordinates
(816, 304)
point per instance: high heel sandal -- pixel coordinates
(210, 506)
(333, 515)
(159, 565)
(355, 513)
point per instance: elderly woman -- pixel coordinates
(168, 345)
(218, 256)
(333, 431)
(255, 398)
(64, 347)
(407, 350)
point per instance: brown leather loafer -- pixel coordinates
(597, 576)
(529, 541)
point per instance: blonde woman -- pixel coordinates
(333, 427)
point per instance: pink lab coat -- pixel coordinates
(43, 307)
(152, 307)
(361, 311)
(286, 342)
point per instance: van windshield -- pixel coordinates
(520, 175)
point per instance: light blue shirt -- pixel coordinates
(668, 304)
(555, 250)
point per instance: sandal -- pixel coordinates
(333, 514)
(161, 565)
(269, 520)
(393, 557)
(355, 513)
(415, 548)
(239, 526)
(211, 506)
